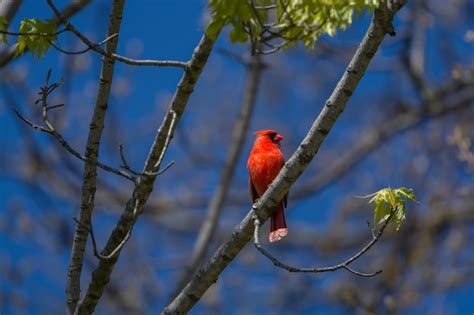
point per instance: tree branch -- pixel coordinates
(50, 129)
(113, 55)
(73, 289)
(376, 137)
(208, 274)
(144, 184)
(453, 100)
(343, 265)
(209, 224)
(10, 8)
(82, 51)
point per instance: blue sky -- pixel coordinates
(170, 30)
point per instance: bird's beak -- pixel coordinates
(278, 138)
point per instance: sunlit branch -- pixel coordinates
(127, 167)
(343, 265)
(144, 185)
(117, 57)
(79, 52)
(94, 242)
(45, 91)
(34, 33)
(294, 167)
(94, 137)
(209, 225)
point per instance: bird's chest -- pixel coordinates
(264, 167)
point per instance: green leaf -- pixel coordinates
(379, 212)
(3, 28)
(36, 36)
(293, 20)
(391, 203)
(214, 28)
(238, 35)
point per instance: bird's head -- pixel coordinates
(272, 135)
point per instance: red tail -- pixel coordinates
(278, 228)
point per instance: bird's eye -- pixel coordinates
(272, 135)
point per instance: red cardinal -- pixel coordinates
(264, 164)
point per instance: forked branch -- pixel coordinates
(96, 47)
(294, 167)
(343, 265)
(49, 128)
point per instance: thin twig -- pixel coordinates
(168, 139)
(54, 106)
(159, 172)
(94, 137)
(125, 164)
(294, 167)
(94, 242)
(372, 231)
(45, 91)
(343, 265)
(274, 32)
(126, 60)
(144, 184)
(34, 33)
(31, 124)
(127, 167)
(79, 52)
(237, 57)
(265, 7)
(215, 206)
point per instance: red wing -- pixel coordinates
(252, 190)
(285, 199)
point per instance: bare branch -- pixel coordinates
(169, 135)
(372, 231)
(9, 9)
(31, 124)
(125, 165)
(68, 147)
(144, 184)
(264, 7)
(34, 33)
(113, 55)
(129, 169)
(343, 265)
(450, 98)
(234, 56)
(242, 233)
(159, 172)
(376, 137)
(94, 242)
(79, 52)
(73, 289)
(50, 129)
(209, 225)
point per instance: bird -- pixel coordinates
(264, 164)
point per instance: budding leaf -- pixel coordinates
(391, 203)
(37, 36)
(214, 28)
(291, 21)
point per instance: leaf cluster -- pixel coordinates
(33, 34)
(290, 20)
(389, 203)
(36, 35)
